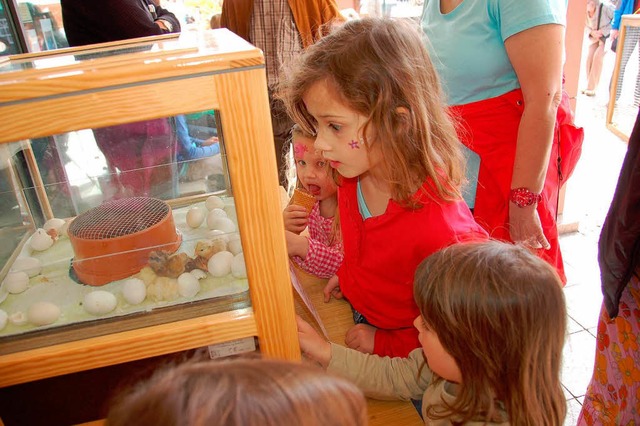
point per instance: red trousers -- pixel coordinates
(140, 156)
(490, 129)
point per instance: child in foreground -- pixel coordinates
(492, 327)
(241, 392)
(370, 93)
(320, 253)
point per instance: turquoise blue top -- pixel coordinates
(467, 44)
(362, 204)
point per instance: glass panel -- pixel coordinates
(42, 23)
(201, 159)
(625, 95)
(170, 46)
(193, 14)
(118, 222)
(9, 44)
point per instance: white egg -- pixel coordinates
(99, 302)
(230, 210)
(238, 267)
(223, 224)
(43, 313)
(40, 240)
(195, 217)
(54, 223)
(134, 291)
(18, 318)
(4, 318)
(218, 212)
(216, 234)
(214, 202)
(235, 246)
(198, 273)
(220, 264)
(188, 285)
(30, 265)
(16, 282)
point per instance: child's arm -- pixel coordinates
(297, 245)
(312, 344)
(295, 218)
(369, 339)
(382, 378)
(317, 258)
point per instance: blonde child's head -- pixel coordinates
(309, 171)
(499, 311)
(381, 70)
(241, 392)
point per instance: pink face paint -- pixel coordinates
(354, 144)
(298, 150)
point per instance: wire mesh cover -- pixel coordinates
(113, 240)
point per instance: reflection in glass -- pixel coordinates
(164, 158)
(42, 24)
(127, 211)
(200, 154)
(625, 82)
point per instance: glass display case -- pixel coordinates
(624, 90)
(9, 43)
(140, 211)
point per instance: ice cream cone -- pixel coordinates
(303, 198)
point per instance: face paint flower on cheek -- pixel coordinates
(355, 144)
(299, 150)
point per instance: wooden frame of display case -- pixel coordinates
(625, 22)
(225, 73)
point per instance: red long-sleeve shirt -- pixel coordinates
(381, 255)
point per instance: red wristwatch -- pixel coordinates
(522, 197)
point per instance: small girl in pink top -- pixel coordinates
(320, 253)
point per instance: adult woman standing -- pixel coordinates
(501, 66)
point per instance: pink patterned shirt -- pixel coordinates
(323, 260)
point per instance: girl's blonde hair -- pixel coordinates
(241, 392)
(381, 69)
(499, 311)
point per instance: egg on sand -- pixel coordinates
(43, 313)
(99, 302)
(195, 217)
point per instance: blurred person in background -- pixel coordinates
(281, 29)
(140, 156)
(598, 27)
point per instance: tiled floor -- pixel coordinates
(588, 196)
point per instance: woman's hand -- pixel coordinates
(295, 218)
(332, 289)
(312, 344)
(525, 227)
(536, 55)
